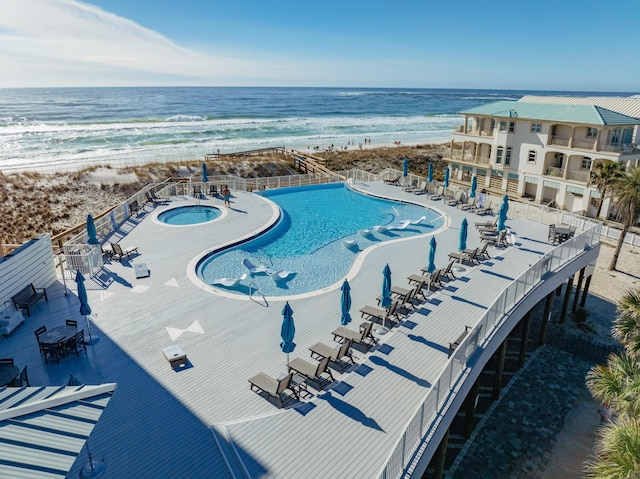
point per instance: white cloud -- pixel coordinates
(70, 43)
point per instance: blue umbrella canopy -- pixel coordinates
(430, 174)
(446, 177)
(405, 167)
(386, 287)
(432, 255)
(288, 331)
(205, 177)
(463, 235)
(474, 185)
(345, 303)
(502, 215)
(85, 309)
(73, 381)
(91, 231)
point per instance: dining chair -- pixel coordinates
(72, 322)
(51, 352)
(8, 361)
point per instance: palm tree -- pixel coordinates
(626, 191)
(617, 384)
(602, 175)
(626, 327)
(618, 451)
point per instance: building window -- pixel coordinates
(493, 124)
(536, 127)
(586, 164)
(532, 156)
(512, 126)
(503, 126)
(499, 152)
(507, 156)
(592, 132)
(554, 130)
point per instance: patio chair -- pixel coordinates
(76, 342)
(155, 201)
(38, 332)
(273, 387)
(335, 354)
(428, 279)
(470, 256)
(7, 361)
(394, 181)
(448, 271)
(213, 191)
(457, 199)
(424, 189)
(134, 207)
(21, 380)
(438, 195)
(499, 239)
(484, 211)
(72, 322)
(51, 352)
(121, 253)
(483, 253)
(468, 206)
(157, 198)
(486, 224)
(363, 336)
(375, 314)
(411, 186)
(309, 370)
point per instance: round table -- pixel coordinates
(8, 372)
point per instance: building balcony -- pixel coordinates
(585, 144)
(580, 176)
(557, 141)
(554, 171)
(470, 159)
(486, 133)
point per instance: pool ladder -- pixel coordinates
(260, 254)
(253, 287)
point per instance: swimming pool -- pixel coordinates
(189, 215)
(321, 231)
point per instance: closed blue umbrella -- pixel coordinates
(474, 185)
(287, 331)
(386, 287)
(430, 174)
(446, 177)
(91, 231)
(205, 177)
(463, 235)
(432, 255)
(85, 309)
(345, 303)
(502, 215)
(405, 167)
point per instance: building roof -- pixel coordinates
(566, 113)
(43, 429)
(629, 106)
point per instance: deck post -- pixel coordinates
(585, 292)
(440, 457)
(497, 379)
(559, 290)
(545, 318)
(565, 303)
(526, 324)
(578, 288)
(470, 410)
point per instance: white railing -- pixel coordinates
(559, 141)
(85, 258)
(581, 176)
(439, 398)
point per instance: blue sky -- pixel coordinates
(543, 45)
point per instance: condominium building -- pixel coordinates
(544, 149)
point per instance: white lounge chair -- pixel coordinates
(229, 282)
(380, 228)
(364, 232)
(253, 269)
(279, 275)
(349, 244)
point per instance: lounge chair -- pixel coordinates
(134, 207)
(402, 295)
(213, 191)
(156, 200)
(456, 200)
(335, 354)
(375, 314)
(483, 253)
(467, 206)
(438, 195)
(279, 275)
(253, 269)
(411, 186)
(363, 336)
(448, 271)
(487, 224)
(121, 253)
(273, 387)
(312, 371)
(428, 281)
(394, 181)
(229, 282)
(469, 256)
(499, 239)
(424, 189)
(484, 211)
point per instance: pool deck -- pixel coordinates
(164, 423)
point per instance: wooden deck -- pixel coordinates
(159, 421)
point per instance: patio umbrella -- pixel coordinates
(345, 303)
(502, 215)
(288, 331)
(91, 230)
(385, 302)
(430, 174)
(446, 177)
(463, 235)
(432, 255)
(85, 309)
(474, 185)
(205, 177)
(73, 381)
(405, 167)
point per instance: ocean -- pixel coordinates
(70, 128)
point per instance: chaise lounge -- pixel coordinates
(311, 371)
(273, 387)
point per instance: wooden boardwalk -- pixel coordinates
(158, 423)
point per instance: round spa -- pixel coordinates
(189, 215)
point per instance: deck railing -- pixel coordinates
(422, 426)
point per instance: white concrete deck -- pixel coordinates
(158, 421)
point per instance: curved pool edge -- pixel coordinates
(355, 267)
(224, 212)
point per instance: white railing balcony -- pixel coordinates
(559, 141)
(554, 171)
(584, 144)
(581, 176)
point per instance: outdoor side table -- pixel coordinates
(175, 355)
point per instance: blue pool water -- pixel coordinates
(189, 215)
(317, 238)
